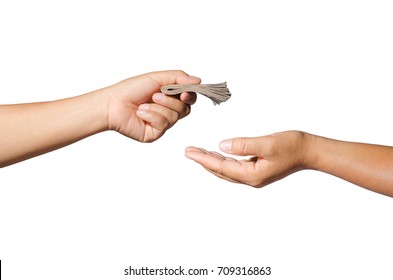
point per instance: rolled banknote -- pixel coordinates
(216, 92)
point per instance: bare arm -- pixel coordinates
(28, 130)
(134, 107)
(366, 165)
(279, 155)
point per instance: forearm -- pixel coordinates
(28, 130)
(366, 165)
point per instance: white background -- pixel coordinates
(90, 210)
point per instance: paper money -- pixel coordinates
(216, 92)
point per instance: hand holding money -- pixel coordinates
(216, 92)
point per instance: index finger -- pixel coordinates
(219, 165)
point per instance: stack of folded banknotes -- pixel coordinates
(216, 92)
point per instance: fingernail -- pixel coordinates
(141, 112)
(191, 155)
(158, 97)
(144, 107)
(226, 145)
(188, 155)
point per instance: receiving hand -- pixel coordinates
(274, 157)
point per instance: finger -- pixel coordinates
(195, 149)
(173, 77)
(218, 155)
(188, 97)
(170, 115)
(189, 153)
(157, 120)
(231, 169)
(245, 146)
(222, 176)
(172, 103)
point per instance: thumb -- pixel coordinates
(173, 77)
(243, 146)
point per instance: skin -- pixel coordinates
(134, 107)
(276, 156)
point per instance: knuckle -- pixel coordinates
(218, 171)
(240, 145)
(187, 110)
(176, 116)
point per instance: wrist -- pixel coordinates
(310, 151)
(98, 105)
(105, 104)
